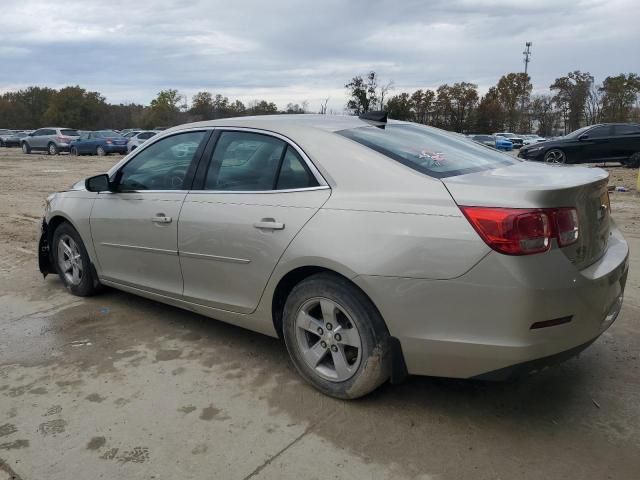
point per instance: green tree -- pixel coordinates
(363, 95)
(512, 89)
(164, 110)
(423, 101)
(202, 105)
(463, 100)
(401, 107)
(77, 108)
(571, 94)
(262, 107)
(619, 94)
(490, 113)
(544, 115)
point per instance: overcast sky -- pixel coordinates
(292, 51)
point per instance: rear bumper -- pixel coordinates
(480, 323)
(115, 148)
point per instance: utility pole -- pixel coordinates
(527, 59)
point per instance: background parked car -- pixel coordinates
(131, 133)
(608, 142)
(14, 139)
(52, 140)
(4, 135)
(102, 142)
(531, 139)
(516, 140)
(139, 138)
(499, 143)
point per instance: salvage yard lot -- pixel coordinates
(116, 386)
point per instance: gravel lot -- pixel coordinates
(116, 386)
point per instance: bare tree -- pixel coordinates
(384, 89)
(323, 106)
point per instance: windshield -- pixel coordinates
(429, 150)
(577, 133)
(67, 132)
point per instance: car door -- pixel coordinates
(597, 144)
(82, 143)
(39, 139)
(626, 140)
(256, 193)
(134, 228)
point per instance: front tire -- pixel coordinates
(72, 262)
(336, 337)
(52, 149)
(26, 148)
(74, 151)
(555, 155)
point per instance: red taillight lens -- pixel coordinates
(515, 231)
(566, 226)
(109, 141)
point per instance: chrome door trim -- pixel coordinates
(206, 256)
(142, 249)
(232, 192)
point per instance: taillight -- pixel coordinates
(109, 141)
(515, 231)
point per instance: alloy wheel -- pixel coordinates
(53, 150)
(328, 339)
(555, 156)
(70, 260)
(101, 151)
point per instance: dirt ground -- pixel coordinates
(115, 386)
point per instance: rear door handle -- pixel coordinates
(268, 224)
(161, 219)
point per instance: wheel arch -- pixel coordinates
(293, 277)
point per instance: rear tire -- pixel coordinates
(26, 149)
(634, 161)
(100, 151)
(52, 149)
(336, 337)
(72, 262)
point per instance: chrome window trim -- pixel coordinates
(231, 192)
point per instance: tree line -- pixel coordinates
(75, 107)
(574, 100)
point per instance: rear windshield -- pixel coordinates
(434, 152)
(107, 134)
(67, 132)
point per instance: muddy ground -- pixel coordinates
(116, 386)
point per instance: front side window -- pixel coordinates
(161, 166)
(428, 150)
(598, 132)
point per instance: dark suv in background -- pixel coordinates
(52, 140)
(605, 142)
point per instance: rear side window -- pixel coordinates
(67, 132)
(145, 136)
(428, 150)
(246, 161)
(626, 130)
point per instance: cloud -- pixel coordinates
(291, 51)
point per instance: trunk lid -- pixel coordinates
(536, 185)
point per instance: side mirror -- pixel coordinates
(584, 136)
(99, 183)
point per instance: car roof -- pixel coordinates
(288, 123)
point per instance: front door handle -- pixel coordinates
(160, 218)
(268, 224)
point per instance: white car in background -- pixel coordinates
(139, 138)
(531, 139)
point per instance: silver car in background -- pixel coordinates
(138, 138)
(374, 248)
(52, 140)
